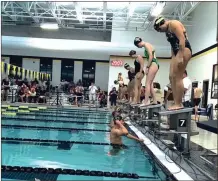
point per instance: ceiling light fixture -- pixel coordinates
(157, 10)
(49, 26)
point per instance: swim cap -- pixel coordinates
(126, 65)
(116, 82)
(158, 22)
(132, 52)
(137, 41)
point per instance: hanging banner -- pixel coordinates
(18, 71)
(8, 68)
(23, 73)
(3, 66)
(37, 75)
(14, 70)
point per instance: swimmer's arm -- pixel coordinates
(141, 61)
(176, 28)
(149, 49)
(133, 137)
(111, 125)
(123, 131)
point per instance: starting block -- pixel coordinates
(150, 114)
(152, 110)
(179, 123)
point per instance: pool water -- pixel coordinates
(78, 156)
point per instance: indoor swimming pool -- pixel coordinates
(74, 144)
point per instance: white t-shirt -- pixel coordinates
(92, 89)
(187, 85)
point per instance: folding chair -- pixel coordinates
(208, 111)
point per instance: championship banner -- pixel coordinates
(8, 68)
(3, 66)
(23, 72)
(14, 70)
(28, 73)
(18, 71)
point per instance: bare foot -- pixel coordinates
(133, 103)
(176, 107)
(144, 104)
(154, 103)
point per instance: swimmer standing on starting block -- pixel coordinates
(151, 69)
(131, 77)
(181, 54)
(139, 74)
(117, 131)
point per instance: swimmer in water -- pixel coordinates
(117, 131)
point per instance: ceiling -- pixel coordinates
(101, 16)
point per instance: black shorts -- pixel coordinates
(197, 101)
(119, 146)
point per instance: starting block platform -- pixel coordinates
(179, 123)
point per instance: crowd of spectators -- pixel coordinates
(37, 91)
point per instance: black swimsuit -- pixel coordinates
(131, 76)
(174, 41)
(137, 67)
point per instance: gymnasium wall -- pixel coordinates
(101, 70)
(158, 40)
(200, 68)
(162, 76)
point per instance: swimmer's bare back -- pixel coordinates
(197, 93)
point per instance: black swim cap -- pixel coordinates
(126, 65)
(158, 22)
(115, 82)
(132, 52)
(137, 41)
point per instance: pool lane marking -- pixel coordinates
(50, 128)
(60, 141)
(51, 120)
(160, 155)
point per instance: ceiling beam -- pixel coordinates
(78, 12)
(129, 15)
(53, 7)
(25, 7)
(104, 14)
(184, 9)
(4, 5)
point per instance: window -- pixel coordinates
(46, 66)
(67, 70)
(16, 60)
(88, 75)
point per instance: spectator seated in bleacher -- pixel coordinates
(79, 93)
(32, 95)
(42, 95)
(102, 99)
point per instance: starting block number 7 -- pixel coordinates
(182, 122)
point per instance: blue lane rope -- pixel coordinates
(52, 120)
(59, 115)
(50, 128)
(6, 168)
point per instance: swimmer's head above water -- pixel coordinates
(120, 119)
(160, 24)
